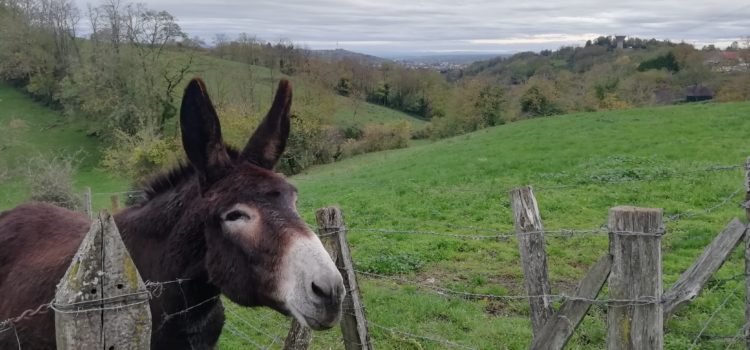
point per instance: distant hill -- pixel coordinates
(455, 58)
(341, 54)
(446, 62)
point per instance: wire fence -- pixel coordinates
(153, 290)
(239, 323)
(718, 309)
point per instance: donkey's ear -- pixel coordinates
(269, 140)
(201, 134)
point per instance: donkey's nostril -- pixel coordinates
(318, 291)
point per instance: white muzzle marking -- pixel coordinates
(311, 287)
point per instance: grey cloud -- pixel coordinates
(442, 25)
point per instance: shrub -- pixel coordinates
(352, 132)
(667, 62)
(736, 89)
(424, 132)
(50, 179)
(141, 155)
(379, 137)
(310, 142)
(540, 99)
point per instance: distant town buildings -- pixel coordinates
(438, 65)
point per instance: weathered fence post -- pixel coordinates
(747, 255)
(691, 282)
(298, 338)
(87, 203)
(115, 200)
(353, 321)
(332, 232)
(101, 302)
(530, 234)
(634, 314)
(557, 331)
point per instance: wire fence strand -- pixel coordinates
(713, 314)
(430, 338)
(552, 297)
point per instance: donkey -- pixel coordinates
(225, 223)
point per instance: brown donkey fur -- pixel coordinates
(189, 227)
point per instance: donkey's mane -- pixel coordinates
(170, 179)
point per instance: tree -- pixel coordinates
(37, 44)
(489, 105)
(539, 99)
(344, 87)
(127, 70)
(667, 62)
(693, 70)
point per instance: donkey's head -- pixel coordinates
(259, 250)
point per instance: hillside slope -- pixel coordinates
(231, 81)
(580, 165)
(29, 130)
(675, 158)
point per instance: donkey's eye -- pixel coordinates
(235, 215)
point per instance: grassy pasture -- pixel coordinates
(657, 157)
(29, 129)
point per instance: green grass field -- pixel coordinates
(659, 157)
(28, 130)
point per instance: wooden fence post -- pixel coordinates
(634, 315)
(101, 302)
(353, 321)
(530, 234)
(87, 203)
(560, 327)
(298, 338)
(691, 282)
(747, 255)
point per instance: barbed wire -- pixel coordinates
(269, 317)
(167, 317)
(238, 333)
(547, 233)
(713, 314)
(430, 338)
(505, 236)
(4, 328)
(689, 214)
(154, 290)
(737, 336)
(274, 338)
(552, 297)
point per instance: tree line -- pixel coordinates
(591, 77)
(124, 78)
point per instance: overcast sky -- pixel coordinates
(398, 27)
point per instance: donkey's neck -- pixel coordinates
(164, 235)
